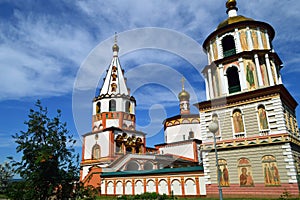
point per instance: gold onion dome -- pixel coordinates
(231, 5)
(183, 95)
(115, 48)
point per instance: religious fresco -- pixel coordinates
(263, 70)
(263, 120)
(215, 50)
(264, 40)
(243, 39)
(245, 172)
(273, 69)
(254, 39)
(223, 170)
(250, 77)
(270, 170)
(238, 122)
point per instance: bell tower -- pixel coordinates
(114, 131)
(114, 107)
(240, 56)
(258, 136)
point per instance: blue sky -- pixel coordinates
(45, 44)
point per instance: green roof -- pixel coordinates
(148, 172)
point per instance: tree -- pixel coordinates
(6, 174)
(49, 165)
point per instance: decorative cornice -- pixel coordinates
(247, 97)
(251, 141)
(241, 24)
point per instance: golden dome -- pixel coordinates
(115, 48)
(230, 4)
(183, 95)
(232, 20)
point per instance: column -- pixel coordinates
(206, 87)
(220, 50)
(242, 75)
(115, 186)
(211, 90)
(169, 185)
(267, 39)
(260, 81)
(211, 53)
(124, 185)
(270, 77)
(133, 186)
(222, 80)
(105, 186)
(260, 43)
(145, 185)
(156, 185)
(237, 41)
(197, 185)
(182, 186)
(249, 39)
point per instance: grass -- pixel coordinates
(194, 198)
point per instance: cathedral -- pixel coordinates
(257, 139)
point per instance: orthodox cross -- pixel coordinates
(182, 81)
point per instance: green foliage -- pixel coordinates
(285, 195)
(146, 195)
(48, 165)
(6, 174)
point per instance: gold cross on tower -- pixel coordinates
(182, 81)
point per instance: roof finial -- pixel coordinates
(116, 37)
(182, 81)
(115, 48)
(231, 8)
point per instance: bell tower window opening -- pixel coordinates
(228, 46)
(98, 107)
(112, 105)
(233, 80)
(127, 107)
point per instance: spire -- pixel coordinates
(231, 8)
(115, 82)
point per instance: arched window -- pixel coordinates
(238, 122)
(228, 46)
(112, 105)
(98, 107)
(263, 119)
(245, 172)
(223, 170)
(132, 166)
(148, 165)
(96, 152)
(233, 80)
(271, 173)
(191, 134)
(127, 106)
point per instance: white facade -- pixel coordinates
(181, 132)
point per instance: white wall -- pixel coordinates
(175, 133)
(185, 150)
(103, 141)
